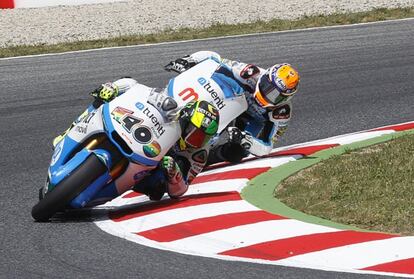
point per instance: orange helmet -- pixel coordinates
(276, 85)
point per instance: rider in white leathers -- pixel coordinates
(268, 93)
(185, 159)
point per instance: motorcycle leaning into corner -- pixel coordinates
(127, 135)
(207, 83)
(124, 140)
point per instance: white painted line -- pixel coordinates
(245, 235)
(211, 39)
(342, 139)
(390, 126)
(358, 256)
(349, 138)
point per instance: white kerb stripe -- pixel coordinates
(174, 216)
(245, 235)
(351, 138)
(358, 256)
(219, 186)
(227, 185)
(259, 163)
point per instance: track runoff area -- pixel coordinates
(217, 219)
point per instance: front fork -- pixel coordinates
(113, 171)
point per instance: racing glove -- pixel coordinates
(176, 184)
(239, 137)
(180, 65)
(235, 135)
(166, 105)
(231, 146)
(106, 92)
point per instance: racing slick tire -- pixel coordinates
(70, 187)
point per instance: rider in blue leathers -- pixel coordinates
(268, 93)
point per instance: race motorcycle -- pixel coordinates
(218, 90)
(123, 141)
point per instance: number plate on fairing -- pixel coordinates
(141, 125)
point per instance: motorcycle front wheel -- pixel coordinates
(69, 188)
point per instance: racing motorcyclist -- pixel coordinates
(199, 123)
(268, 93)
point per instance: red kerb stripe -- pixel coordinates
(289, 247)
(401, 127)
(173, 204)
(401, 266)
(132, 195)
(208, 224)
(234, 174)
(304, 151)
(6, 4)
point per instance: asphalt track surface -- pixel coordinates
(353, 78)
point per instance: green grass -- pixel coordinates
(215, 31)
(371, 188)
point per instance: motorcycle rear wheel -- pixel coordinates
(70, 187)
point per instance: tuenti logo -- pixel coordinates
(158, 129)
(139, 106)
(207, 86)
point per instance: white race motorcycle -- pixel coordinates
(124, 140)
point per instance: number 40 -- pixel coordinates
(142, 134)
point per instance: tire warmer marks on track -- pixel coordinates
(213, 220)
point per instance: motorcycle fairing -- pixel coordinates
(207, 81)
(132, 156)
(230, 87)
(131, 112)
(84, 138)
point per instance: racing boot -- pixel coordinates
(153, 185)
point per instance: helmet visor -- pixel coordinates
(270, 92)
(195, 137)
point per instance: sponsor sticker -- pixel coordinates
(81, 129)
(140, 175)
(119, 112)
(152, 150)
(139, 106)
(188, 93)
(57, 153)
